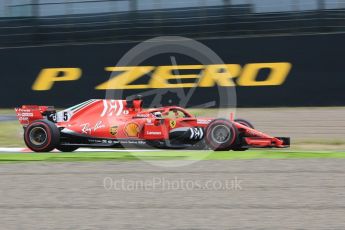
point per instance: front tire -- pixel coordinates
(41, 136)
(221, 135)
(239, 146)
(244, 122)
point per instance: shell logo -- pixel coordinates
(132, 130)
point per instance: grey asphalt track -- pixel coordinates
(269, 194)
(8, 118)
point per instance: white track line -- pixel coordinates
(13, 150)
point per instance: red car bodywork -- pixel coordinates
(115, 123)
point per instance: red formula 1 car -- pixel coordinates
(121, 123)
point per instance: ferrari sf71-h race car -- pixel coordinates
(121, 123)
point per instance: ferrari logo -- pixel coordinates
(172, 124)
(113, 130)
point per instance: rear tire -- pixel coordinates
(41, 136)
(67, 148)
(221, 135)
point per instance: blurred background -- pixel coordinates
(90, 35)
(42, 22)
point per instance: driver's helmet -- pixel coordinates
(157, 114)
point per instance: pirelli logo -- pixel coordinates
(225, 75)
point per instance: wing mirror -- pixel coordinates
(158, 122)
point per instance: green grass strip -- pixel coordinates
(166, 155)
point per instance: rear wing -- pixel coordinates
(29, 113)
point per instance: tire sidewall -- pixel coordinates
(52, 133)
(221, 146)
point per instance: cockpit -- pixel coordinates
(171, 112)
